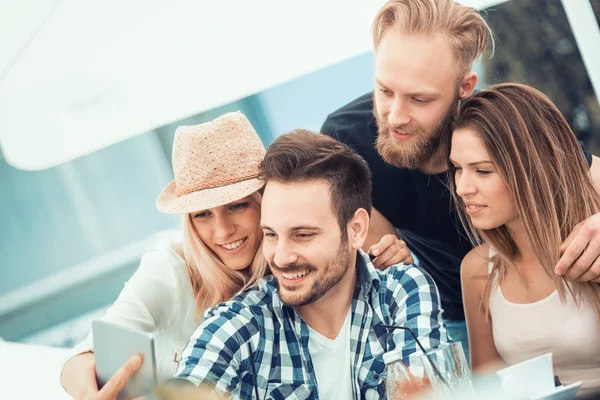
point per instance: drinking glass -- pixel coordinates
(400, 383)
(447, 369)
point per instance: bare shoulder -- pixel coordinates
(475, 263)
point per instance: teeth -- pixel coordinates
(295, 275)
(233, 245)
(472, 207)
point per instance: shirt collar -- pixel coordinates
(367, 274)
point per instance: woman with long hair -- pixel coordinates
(521, 184)
(217, 191)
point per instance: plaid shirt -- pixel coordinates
(256, 327)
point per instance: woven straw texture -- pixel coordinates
(214, 163)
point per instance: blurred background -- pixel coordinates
(91, 94)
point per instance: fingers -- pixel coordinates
(592, 273)
(385, 260)
(582, 265)
(574, 248)
(385, 242)
(389, 251)
(569, 239)
(118, 381)
(580, 252)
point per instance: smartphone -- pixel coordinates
(113, 346)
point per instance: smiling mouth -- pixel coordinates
(234, 245)
(294, 275)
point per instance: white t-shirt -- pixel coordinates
(331, 362)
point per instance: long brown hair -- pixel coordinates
(212, 281)
(545, 170)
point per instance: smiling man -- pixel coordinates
(424, 53)
(314, 329)
(424, 50)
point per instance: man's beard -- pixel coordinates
(324, 283)
(414, 155)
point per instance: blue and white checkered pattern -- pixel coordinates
(257, 327)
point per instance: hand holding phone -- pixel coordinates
(117, 382)
(125, 360)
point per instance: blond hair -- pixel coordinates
(546, 172)
(466, 30)
(212, 281)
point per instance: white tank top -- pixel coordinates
(569, 332)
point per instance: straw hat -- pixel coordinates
(214, 163)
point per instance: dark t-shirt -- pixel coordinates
(417, 204)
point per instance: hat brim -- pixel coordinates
(169, 203)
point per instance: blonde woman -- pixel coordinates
(216, 189)
(522, 184)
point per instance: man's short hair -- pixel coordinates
(302, 155)
(466, 30)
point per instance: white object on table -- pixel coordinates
(563, 392)
(532, 378)
(30, 371)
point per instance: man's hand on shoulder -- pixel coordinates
(390, 250)
(580, 258)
